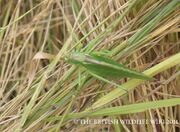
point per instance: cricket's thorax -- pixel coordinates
(77, 57)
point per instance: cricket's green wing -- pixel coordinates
(110, 68)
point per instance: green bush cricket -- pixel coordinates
(102, 67)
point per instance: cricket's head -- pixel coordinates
(76, 58)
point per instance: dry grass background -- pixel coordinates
(33, 90)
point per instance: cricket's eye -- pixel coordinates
(66, 58)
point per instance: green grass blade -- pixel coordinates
(119, 110)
